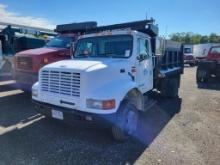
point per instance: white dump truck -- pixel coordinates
(112, 71)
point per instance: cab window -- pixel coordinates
(215, 50)
(143, 47)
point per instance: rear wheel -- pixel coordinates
(126, 121)
(202, 76)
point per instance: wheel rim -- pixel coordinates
(131, 122)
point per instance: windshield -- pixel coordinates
(187, 50)
(59, 42)
(215, 50)
(118, 46)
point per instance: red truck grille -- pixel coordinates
(24, 63)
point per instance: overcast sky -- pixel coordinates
(199, 16)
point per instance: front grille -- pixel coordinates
(63, 83)
(188, 57)
(24, 63)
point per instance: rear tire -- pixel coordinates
(201, 77)
(126, 121)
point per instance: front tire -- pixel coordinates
(126, 121)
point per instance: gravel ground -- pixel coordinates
(175, 131)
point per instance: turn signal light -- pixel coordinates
(45, 60)
(100, 104)
(109, 104)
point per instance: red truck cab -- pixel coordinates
(28, 63)
(214, 54)
(210, 66)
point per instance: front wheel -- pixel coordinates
(126, 121)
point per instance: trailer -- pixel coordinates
(113, 70)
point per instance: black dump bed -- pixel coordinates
(81, 27)
(25, 43)
(13, 41)
(172, 60)
(144, 26)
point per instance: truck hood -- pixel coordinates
(88, 65)
(41, 51)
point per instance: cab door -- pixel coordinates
(144, 65)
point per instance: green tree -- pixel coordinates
(196, 39)
(213, 38)
(204, 39)
(192, 38)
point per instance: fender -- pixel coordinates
(113, 90)
(36, 88)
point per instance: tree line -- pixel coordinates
(192, 38)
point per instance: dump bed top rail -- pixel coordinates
(80, 27)
(145, 26)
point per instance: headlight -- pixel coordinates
(34, 92)
(45, 60)
(100, 104)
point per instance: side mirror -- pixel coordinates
(141, 57)
(68, 46)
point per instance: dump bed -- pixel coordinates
(25, 43)
(171, 62)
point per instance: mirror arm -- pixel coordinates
(72, 50)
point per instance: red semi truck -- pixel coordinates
(28, 63)
(210, 66)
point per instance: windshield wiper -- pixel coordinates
(106, 54)
(82, 56)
